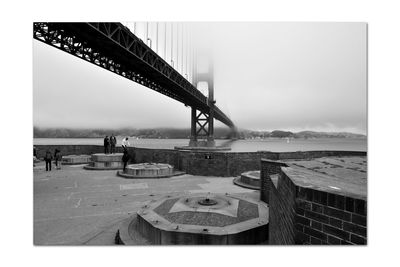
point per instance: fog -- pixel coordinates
(288, 76)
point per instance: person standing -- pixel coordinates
(106, 145)
(48, 158)
(125, 158)
(34, 155)
(113, 142)
(58, 157)
(125, 144)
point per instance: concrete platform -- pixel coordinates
(250, 179)
(101, 161)
(76, 159)
(73, 206)
(346, 176)
(125, 175)
(203, 219)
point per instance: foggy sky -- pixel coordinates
(288, 76)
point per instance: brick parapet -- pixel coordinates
(301, 215)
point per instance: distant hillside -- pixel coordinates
(304, 134)
(172, 133)
(311, 134)
(158, 133)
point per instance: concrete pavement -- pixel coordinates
(74, 206)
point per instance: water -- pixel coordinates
(271, 144)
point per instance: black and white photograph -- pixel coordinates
(200, 133)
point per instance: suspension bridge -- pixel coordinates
(164, 60)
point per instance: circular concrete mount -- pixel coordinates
(149, 169)
(182, 220)
(103, 161)
(101, 157)
(250, 179)
(124, 175)
(76, 159)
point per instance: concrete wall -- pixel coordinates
(301, 215)
(69, 149)
(198, 163)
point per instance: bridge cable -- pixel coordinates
(172, 43)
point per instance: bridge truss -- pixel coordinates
(114, 47)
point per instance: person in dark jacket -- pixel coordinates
(125, 158)
(47, 158)
(57, 157)
(106, 145)
(113, 142)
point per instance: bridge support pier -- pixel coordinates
(201, 132)
(193, 135)
(202, 121)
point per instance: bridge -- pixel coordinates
(114, 47)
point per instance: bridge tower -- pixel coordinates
(202, 124)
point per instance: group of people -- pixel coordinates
(49, 157)
(109, 144)
(109, 147)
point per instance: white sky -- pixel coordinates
(289, 76)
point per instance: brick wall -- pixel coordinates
(281, 212)
(302, 215)
(268, 168)
(326, 218)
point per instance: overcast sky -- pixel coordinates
(289, 76)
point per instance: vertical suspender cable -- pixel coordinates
(157, 37)
(177, 46)
(147, 33)
(177, 43)
(186, 54)
(165, 41)
(182, 48)
(172, 43)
